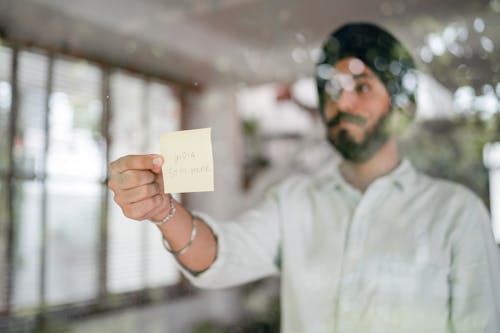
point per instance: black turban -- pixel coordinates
(379, 50)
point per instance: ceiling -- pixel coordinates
(222, 41)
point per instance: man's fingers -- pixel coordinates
(137, 162)
(137, 183)
(138, 193)
(130, 179)
(159, 212)
(159, 181)
(140, 210)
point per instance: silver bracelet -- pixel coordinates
(170, 214)
(188, 245)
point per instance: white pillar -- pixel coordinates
(216, 107)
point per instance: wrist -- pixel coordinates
(165, 217)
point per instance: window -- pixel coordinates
(28, 153)
(136, 259)
(53, 217)
(5, 102)
(75, 172)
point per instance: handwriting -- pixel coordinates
(173, 172)
(182, 156)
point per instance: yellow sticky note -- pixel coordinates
(189, 164)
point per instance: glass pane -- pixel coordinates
(126, 250)
(128, 131)
(141, 112)
(136, 258)
(491, 159)
(5, 98)
(160, 266)
(129, 121)
(164, 114)
(28, 215)
(72, 238)
(495, 201)
(30, 127)
(3, 224)
(76, 145)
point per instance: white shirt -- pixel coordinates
(411, 254)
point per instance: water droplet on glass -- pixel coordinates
(299, 55)
(356, 66)
(464, 97)
(479, 24)
(487, 44)
(450, 34)
(300, 37)
(456, 50)
(436, 44)
(410, 81)
(426, 54)
(463, 33)
(487, 89)
(395, 67)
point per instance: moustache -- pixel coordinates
(348, 117)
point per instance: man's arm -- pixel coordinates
(137, 182)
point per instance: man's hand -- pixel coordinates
(137, 182)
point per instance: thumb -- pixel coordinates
(157, 164)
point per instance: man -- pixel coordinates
(374, 246)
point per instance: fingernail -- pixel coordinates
(157, 161)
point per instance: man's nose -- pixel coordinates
(346, 100)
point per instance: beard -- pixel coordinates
(354, 151)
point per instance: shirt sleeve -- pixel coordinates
(247, 247)
(475, 273)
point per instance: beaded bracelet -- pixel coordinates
(171, 213)
(188, 245)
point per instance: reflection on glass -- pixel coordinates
(5, 98)
(470, 48)
(28, 215)
(72, 238)
(30, 135)
(76, 146)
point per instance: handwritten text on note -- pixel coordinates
(189, 165)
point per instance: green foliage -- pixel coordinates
(453, 149)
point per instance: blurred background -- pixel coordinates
(85, 82)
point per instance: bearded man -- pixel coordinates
(373, 246)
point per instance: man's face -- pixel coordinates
(356, 107)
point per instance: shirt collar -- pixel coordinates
(402, 177)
